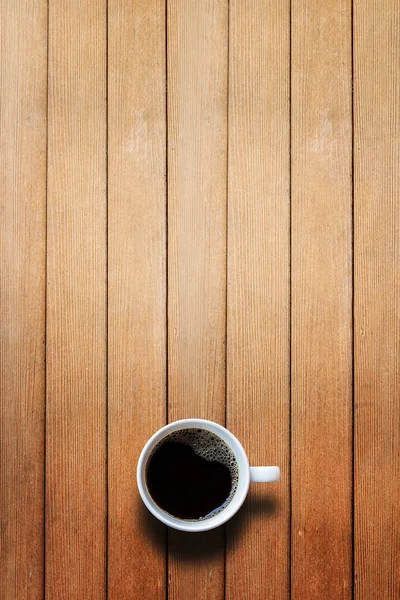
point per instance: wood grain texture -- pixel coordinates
(23, 117)
(136, 288)
(258, 392)
(377, 298)
(76, 302)
(221, 222)
(321, 300)
(197, 35)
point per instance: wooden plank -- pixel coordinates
(136, 287)
(377, 298)
(258, 395)
(76, 302)
(197, 35)
(321, 300)
(23, 124)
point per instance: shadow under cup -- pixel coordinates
(235, 501)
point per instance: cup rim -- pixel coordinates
(232, 507)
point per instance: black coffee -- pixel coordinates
(192, 474)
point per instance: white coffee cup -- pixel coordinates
(247, 474)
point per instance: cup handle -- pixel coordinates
(264, 474)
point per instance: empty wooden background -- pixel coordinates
(200, 216)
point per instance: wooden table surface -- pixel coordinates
(200, 217)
